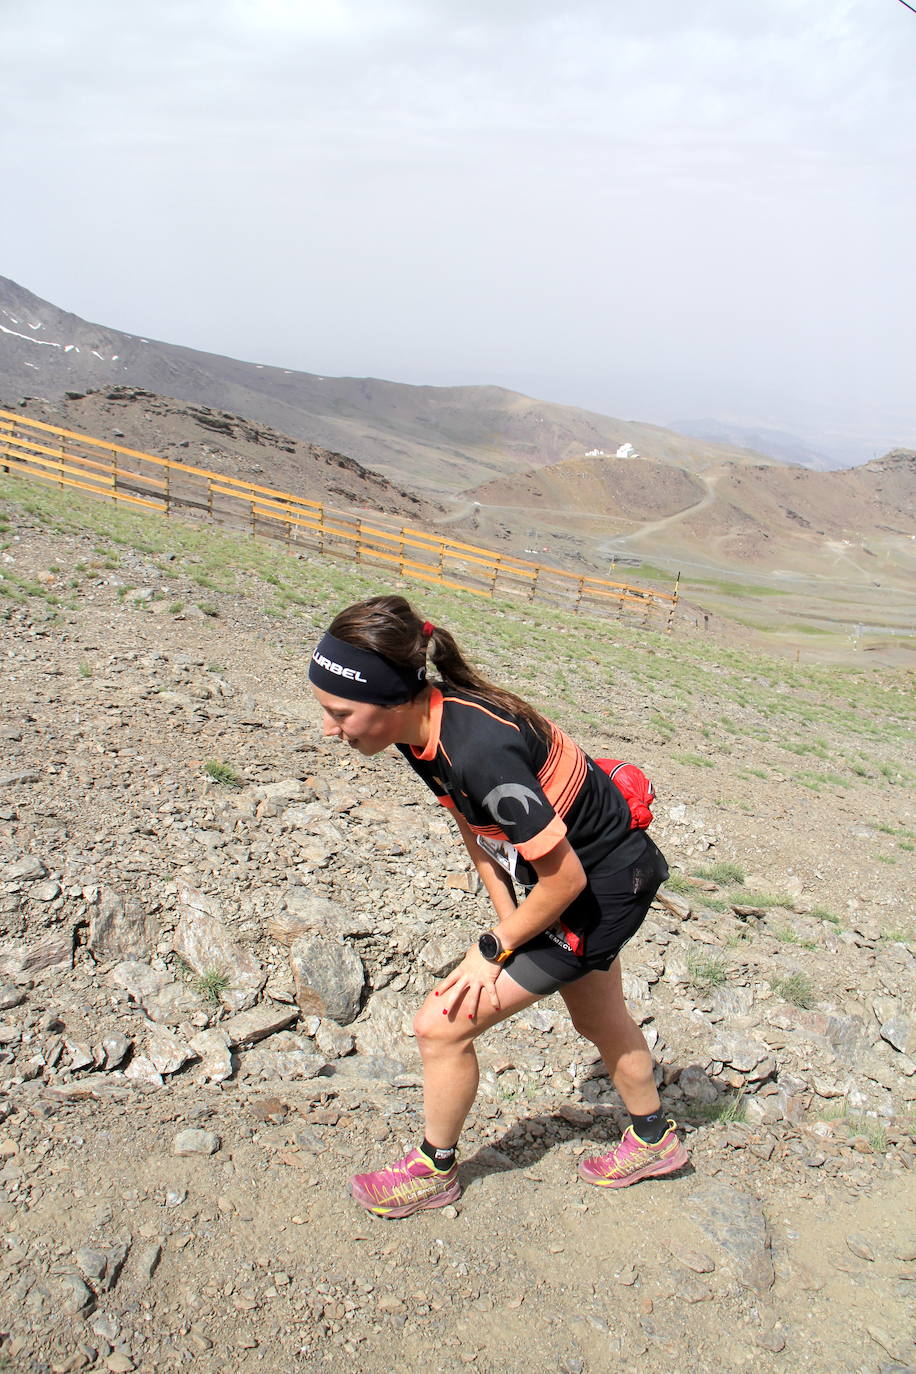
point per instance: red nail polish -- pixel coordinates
(445, 1013)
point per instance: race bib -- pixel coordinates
(504, 853)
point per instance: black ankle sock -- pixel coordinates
(650, 1128)
(439, 1158)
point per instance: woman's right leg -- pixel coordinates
(599, 1012)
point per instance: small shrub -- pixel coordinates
(722, 873)
(727, 1109)
(85, 670)
(207, 609)
(176, 608)
(820, 913)
(211, 984)
(761, 899)
(224, 773)
(794, 988)
(706, 971)
(676, 882)
(789, 937)
(858, 1124)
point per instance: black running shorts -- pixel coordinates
(608, 913)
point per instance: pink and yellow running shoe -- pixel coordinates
(411, 1185)
(633, 1159)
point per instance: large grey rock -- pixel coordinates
(161, 997)
(137, 978)
(848, 1037)
(55, 951)
(740, 1051)
(443, 953)
(387, 1026)
(333, 1041)
(115, 1047)
(734, 1222)
(143, 1070)
(120, 928)
(329, 978)
(11, 996)
(323, 917)
(102, 1267)
(732, 1001)
(195, 1141)
(212, 1046)
(204, 942)
(284, 1065)
(74, 1297)
(27, 869)
(166, 1051)
(696, 1085)
(898, 1030)
(260, 1021)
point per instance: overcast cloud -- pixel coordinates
(656, 209)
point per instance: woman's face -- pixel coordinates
(369, 729)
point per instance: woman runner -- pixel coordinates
(533, 810)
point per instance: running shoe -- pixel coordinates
(633, 1159)
(411, 1185)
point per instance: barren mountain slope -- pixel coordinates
(749, 514)
(227, 443)
(431, 438)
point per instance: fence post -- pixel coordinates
(534, 582)
(359, 540)
(674, 600)
(496, 566)
(401, 552)
(579, 590)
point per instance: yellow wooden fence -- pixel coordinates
(67, 459)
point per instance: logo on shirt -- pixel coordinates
(510, 791)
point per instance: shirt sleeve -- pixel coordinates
(502, 784)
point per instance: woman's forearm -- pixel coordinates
(544, 905)
(561, 878)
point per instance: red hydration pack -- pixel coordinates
(636, 788)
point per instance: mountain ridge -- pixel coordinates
(433, 438)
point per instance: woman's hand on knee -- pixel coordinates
(463, 988)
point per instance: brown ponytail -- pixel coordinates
(389, 626)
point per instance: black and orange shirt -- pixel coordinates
(511, 785)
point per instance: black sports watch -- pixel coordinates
(491, 948)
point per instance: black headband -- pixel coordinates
(359, 675)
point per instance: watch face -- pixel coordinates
(488, 945)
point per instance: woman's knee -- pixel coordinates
(432, 1029)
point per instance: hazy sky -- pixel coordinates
(659, 209)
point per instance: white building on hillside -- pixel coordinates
(626, 451)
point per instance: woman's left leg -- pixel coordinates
(450, 1070)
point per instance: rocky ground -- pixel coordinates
(215, 929)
